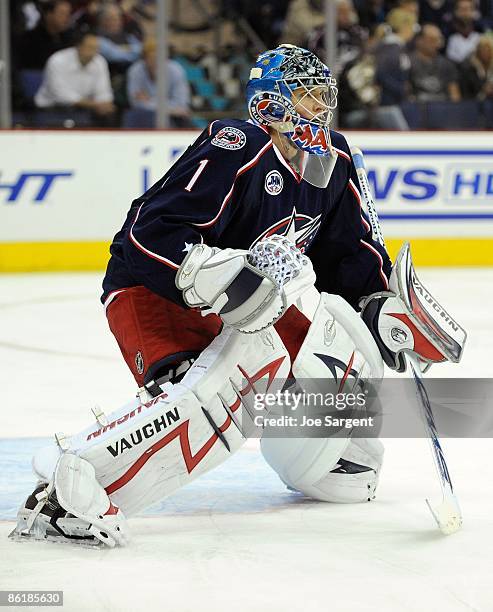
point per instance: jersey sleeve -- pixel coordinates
(191, 204)
(346, 259)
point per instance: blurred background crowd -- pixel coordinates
(401, 64)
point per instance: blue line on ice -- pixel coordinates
(244, 483)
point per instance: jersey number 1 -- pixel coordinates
(198, 172)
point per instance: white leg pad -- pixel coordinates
(80, 493)
(291, 460)
(147, 451)
(339, 332)
(336, 334)
(300, 462)
(349, 488)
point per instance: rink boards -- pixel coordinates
(64, 194)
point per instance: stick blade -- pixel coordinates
(447, 515)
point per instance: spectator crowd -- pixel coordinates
(93, 63)
(88, 62)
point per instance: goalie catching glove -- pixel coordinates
(409, 319)
(249, 290)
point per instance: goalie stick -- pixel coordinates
(448, 514)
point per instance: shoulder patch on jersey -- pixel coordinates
(229, 138)
(274, 182)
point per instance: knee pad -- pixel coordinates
(333, 470)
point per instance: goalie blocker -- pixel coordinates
(409, 319)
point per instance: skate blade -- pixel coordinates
(17, 536)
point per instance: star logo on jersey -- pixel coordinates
(300, 229)
(188, 247)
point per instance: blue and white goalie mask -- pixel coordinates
(292, 91)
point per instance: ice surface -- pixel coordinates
(236, 539)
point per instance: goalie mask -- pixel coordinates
(293, 92)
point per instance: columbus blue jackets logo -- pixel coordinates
(274, 182)
(229, 138)
(268, 108)
(300, 229)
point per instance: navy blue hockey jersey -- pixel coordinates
(231, 188)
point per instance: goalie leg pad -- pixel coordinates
(79, 493)
(336, 336)
(354, 478)
(149, 450)
(73, 507)
(350, 476)
(339, 349)
(301, 462)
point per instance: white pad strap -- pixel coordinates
(42, 498)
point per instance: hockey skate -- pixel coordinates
(72, 508)
(50, 522)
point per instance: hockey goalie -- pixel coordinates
(250, 263)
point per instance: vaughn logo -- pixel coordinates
(448, 340)
(398, 335)
(129, 415)
(431, 301)
(144, 433)
(274, 182)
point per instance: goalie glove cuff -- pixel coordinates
(185, 277)
(249, 290)
(224, 282)
(370, 313)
